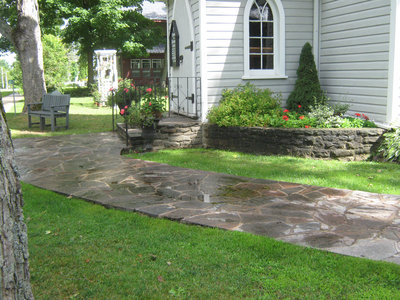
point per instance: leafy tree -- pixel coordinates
(56, 63)
(112, 24)
(19, 27)
(307, 90)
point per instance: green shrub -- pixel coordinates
(77, 91)
(390, 147)
(307, 90)
(246, 106)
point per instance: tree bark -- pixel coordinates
(14, 275)
(90, 54)
(27, 40)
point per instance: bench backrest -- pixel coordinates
(49, 100)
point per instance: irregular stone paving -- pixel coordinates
(90, 167)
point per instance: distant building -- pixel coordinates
(150, 69)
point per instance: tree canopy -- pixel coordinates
(98, 24)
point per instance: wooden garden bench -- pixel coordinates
(53, 106)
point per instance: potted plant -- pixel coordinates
(153, 104)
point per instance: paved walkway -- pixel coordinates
(90, 167)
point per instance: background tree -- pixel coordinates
(14, 271)
(56, 62)
(112, 24)
(307, 90)
(19, 27)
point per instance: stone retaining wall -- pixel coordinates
(168, 135)
(334, 143)
(178, 136)
(348, 144)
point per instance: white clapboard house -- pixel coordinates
(218, 44)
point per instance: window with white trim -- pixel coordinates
(264, 39)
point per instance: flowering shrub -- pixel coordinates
(291, 119)
(149, 110)
(123, 95)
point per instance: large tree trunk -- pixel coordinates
(14, 275)
(90, 54)
(27, 40)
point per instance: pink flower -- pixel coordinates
(122, 112)
(126, 90)
(299, 106)
(132, 85)
(286, 110)
(126, 107)
(149, 90)
(301, 117)
(149, 103)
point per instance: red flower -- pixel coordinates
(126, 90)
(307, 126)
(365, 117)
(286, 110)
(301, 117)
(111, 89)
(358, 115)
(149, 103)
(122, 112)
(299, 106)
(285, 118)
(149, 90)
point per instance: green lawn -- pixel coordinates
(83, 251)
(85, 117)
(363, 176)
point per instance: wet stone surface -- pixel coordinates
(91, 167)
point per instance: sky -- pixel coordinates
(8, 57)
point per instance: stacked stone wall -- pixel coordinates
(344, 144)
(348, 144)
(178, 136)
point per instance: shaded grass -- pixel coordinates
(84, 251)
(84, 117)
(363, 176)
(5, 93)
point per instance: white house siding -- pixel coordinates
(225, 65)
(354, 54)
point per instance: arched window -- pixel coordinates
(264, 39)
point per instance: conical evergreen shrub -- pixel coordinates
(307, 90)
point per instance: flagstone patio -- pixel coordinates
(90, 167)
